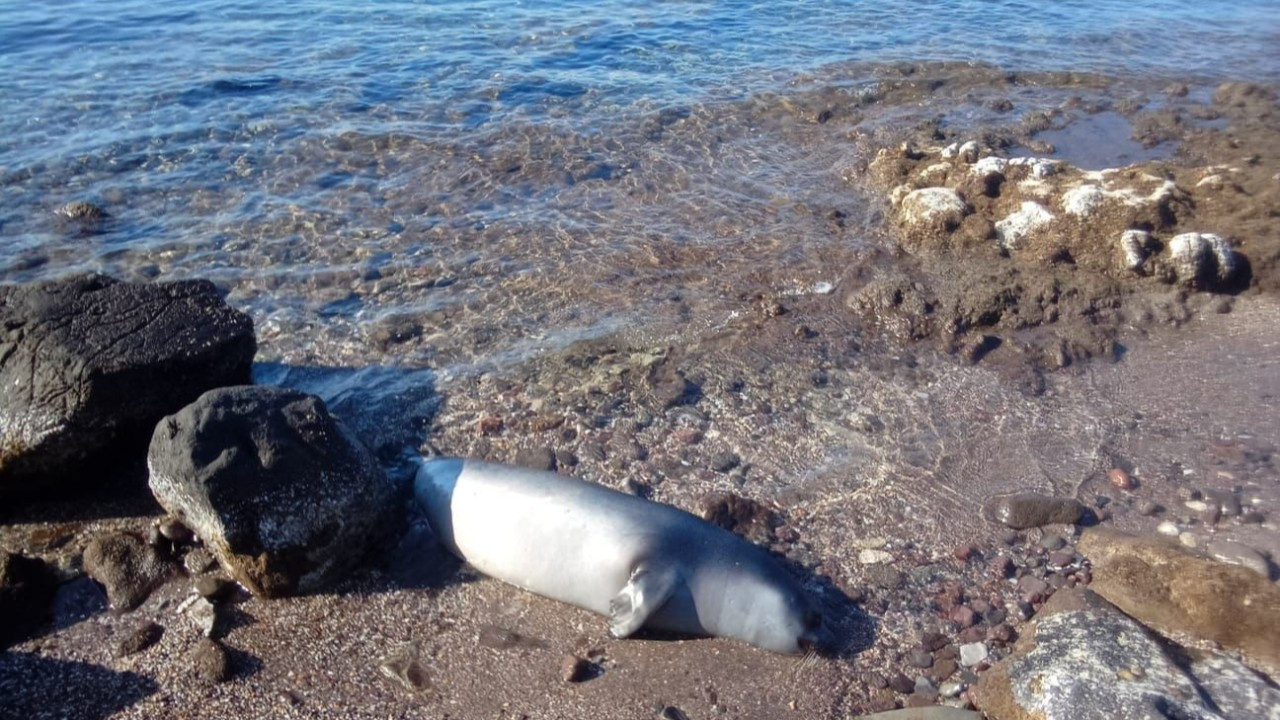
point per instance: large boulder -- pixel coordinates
(1083, 659)
(1167, 588)
(88, 361)
(280, 490)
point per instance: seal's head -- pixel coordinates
(783, 618)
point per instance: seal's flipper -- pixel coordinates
(646, 591)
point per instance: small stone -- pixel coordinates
(213, 588)
(139, 638)
(944, 668)
(972, 654)
(902, 684)
(671, 712)
(1061, 558)
(920, 658)
(489, 425)
(964, 552)
(1239, 554)
(574, 669)
(1001, 567)
(174, 530)
(1188, 540)
(542, 458)
(974, 634)
(1052, 542)
(127, 567)
(875, 680)
(964, 617)
(205, 615)
(725, 461)
(933, 640)
(210, 662)
(198, 561)
(1121, 479)
(1027, 510)
(1147, 508)
(874, 557)
(1002, 633)
(1032, 588)
(951, 689)
(1168, 528)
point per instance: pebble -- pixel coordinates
(902, 684)
(1239, 554)
(205, 616)
(1002, 633)
(671, 712)
(874, 557)
(1027, 510)
(932, 640)
(198, 560)
(972, 654)
(725, 461)
(210, 661)
(944, 668)
(541, 458)
(950, 689)
(1188, 540)
(1061, 558)
(1032, 588)
(213, 588)
(920, 658)
(1001, 566)
(964, 617)
(974, 634)
(574, 669)
(1052, 542)
(139, 638)
(1147, 508)
(1168, 528)
(1121, 479)
(964, 552)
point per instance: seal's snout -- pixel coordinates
(817, 639)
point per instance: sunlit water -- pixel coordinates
(509, 176)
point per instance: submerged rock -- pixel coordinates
(88, 361)
(1176, 593)
(1027, 510)
(1083, 659)
(127, 567)
(277, 488)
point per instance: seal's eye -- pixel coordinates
(812, 620)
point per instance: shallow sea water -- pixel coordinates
(522, 175)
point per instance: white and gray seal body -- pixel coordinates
(641, 563)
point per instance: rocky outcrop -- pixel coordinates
(1083, 659)
(88, 361)
(1177, 593)
(278, 489)
(27, 586)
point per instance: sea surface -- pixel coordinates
(521, 174)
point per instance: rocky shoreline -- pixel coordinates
(996, 518)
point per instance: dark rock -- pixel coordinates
(536, 458)
(213, 588)
(81, 210)
(210, 661)
(89, 363)
(1052, 542)
(884, 577)
(932, 640)
(901, 683)
(1083, 658)
(671, 712)
(127, 567)
(574, 669)
(198, 560)
(1032, 588)
(1174, 592)
(138, 638)
(278, 489)
(944, 668)
(27, 587)
(725, 461)
(920, 658)
(1027, 510)
(741, 515)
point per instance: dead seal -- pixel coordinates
(641, 563)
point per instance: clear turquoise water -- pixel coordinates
(294, 151)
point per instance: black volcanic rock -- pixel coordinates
(89, 363)
(277, 488)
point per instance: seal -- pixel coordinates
(641, 563)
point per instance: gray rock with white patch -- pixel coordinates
(278, 489)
